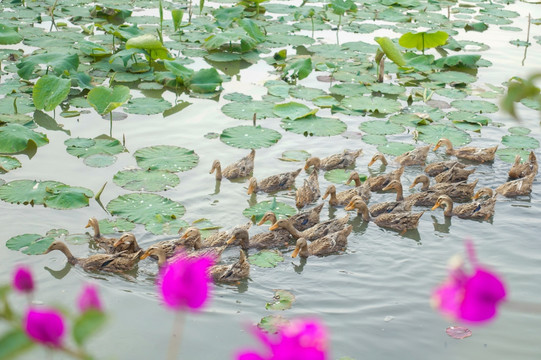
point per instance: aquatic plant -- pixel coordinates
(22, 280)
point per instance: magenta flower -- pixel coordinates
(185, 283)
(45, 326)
(299, 340)
(470, 297)
(89, 299)
(22, 280)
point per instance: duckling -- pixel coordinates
(328, 244)
(519, 170)
(106, 243)
(316, 231)
(309, 192)
(379, 182)
(264, 240)
(469, 153)
(242, 168)
(398, 205)
(474, 210)
(364, 190)
(233, 273)
(273, 183)
(99, 262)
(126, 244)
(400, 221)
(414, 157)
(459, 192)
(454, 174)
(336, 161)
(518, 187)
(439, 167)
(342, 198)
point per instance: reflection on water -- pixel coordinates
(299, 268)
(59, 274)
(441, 227)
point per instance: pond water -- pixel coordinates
(374, 298)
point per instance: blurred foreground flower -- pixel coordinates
(470, 297)
(89, 299)
(22, 280)
(299, 340)
(45, 326)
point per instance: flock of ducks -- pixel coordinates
(311, 236)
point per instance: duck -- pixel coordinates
(336, 161)
(301, 221)
(118, 262)
(215, 239)
(342, 198)
(454, 174)
(126, 244)
(474, 210)
(316, 231)
(469, 152)
(518, 187)
(519, 170)
(414, 157)
(459, 192)
(193, 244)
(233, 273)
(265, 240)
(364, 191)
(400, 221)
(441, 166)
(379, 182)
(273, 183)
(242, 168)
(328, 244)
(399, 205)
(309, 192)
(106, 243)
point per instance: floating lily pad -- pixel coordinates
(395, 148)
(49, 193)
(371, 104)
(166, 226)
(205, 81)
(59, 62)
(147, 106)
(266, 258)
(293, 110)
(282, 300)
(390, 89)
(105, 99)
(432, 133)
(246, 110)
(519, 130)
(381, 127)
(295, 155)
(115, 226)
(166, 157)
(325, 101)
(279, 209)
(374, 139)
(250, 137)
(508, 154)
(480, 106)
(99, 160)
(408, 120)
(349, 89)
(239, 97)
(340, 176)
(84, 147)
(448, 77)
(315, 126)
(16, 138)
(30, 244)
(49, 91)
(8, 163)
(520, 142)
(423, 40)
(467, 126)
(306, 93)
(9, 35)
(146, 180)
(272, 323)
(145, 208)
(65, 197)
(468, 117)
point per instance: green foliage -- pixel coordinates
(519, 89)
(145, 208)
(266, 258)
(13, 343)
(15, 138)
(9, 35)
(423, 40)
(105, 99)
(315, 126)
(49, 91)
(293, 110)
(279, 209)
(283, 300)
(390, 49)
(59, 62)
(87, 324)
(298, 69)
(151, 44)
(85, 147)
(166, 158)
(250, 137)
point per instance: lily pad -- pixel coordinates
(147, 106)
(448, 77)
(30, 244)
(16, 138)
(293, 110)
(374, 139)
(99, 160)
(115, 226)
(166, 226)
(250, 137)
(432, 133)
(395, 148)
(104, 99)
(266, 258)
(84, 147)
(295, 155)
(272, 323)
(325, 101)
(508, 154)
(340, 176)
(423, 40)
(315, 126)
(305, 93)
(151, 44)
(371, 104)
(145, 208)
(282, 300)
(519, 130)
(8, 163)
(49, 193)
(468, 117)
(476, 106)
(141, 180)
(246, 110)
(166, 157)
(380, 127)
(49, 91)
(9, 35)
(279, 209)
(65, 197)
(520, 142)
(59, 62)
(205, 81)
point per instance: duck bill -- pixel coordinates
(371, 162)
(349, 207)
(295, 252)
(118, 242)
(184, 236)
(251, 189)
(88, 225)
(476, 196)
(231, 239)
(273, 227)
(437, 146)
(262, 221)
(325, 195)
(437, 205)
(145, 255)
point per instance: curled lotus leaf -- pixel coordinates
(145, 208)
(166, 157)
(105, 99)
(16, 138)
(49, 91)
(8, 163)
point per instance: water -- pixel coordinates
(382, 276)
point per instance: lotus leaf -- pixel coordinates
(238, 97)
(306, 93)
(452, 93)
(147, 106)
(293, 110)
(469, 61)
(295, 155)
(508, 154)
(104, 99)
(371, 104)
(250, 137)
(145, 208)
(230, 37)
(205, 81)
(476, 106)
(467, 126)
(83, 147)
(205, 226)
(283, 300)
(272, 323)
(166, 157)
(30, 244)
(390, 89)
(349, 89)
(520, 142)
(60, 62)
(374, 139)
(16, 105)
(49, 91)
(325, 101)
(315, 126)
(289, 39)
(279, 209)
(379, 127)
(432, 133)
(65, 197)
(8, 163)
(266, 258)
(165, 225)
(16, 138)
(407, 120)
(390, 49)
(141, 180)
(452, 77)
(468, 117)
(93, 49)
(423, 40)
(151, 44)
(426, 112)
(114, 226)
(9, 35)
(395, 148)
(534, 104)
(246, 110)
(519, 130)
(299, 69)
(340, 176)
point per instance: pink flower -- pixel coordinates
(470, 297)
(299, 340)
(22, 280)
(45, 326)
(185, 283)
(89, 299)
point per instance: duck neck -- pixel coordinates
(218, 170)
(448, 147)
(66, 251)
(424, 180)
(96, 227)
(448, 208)
(292, 230)
(399, 193)
(363, 211)
(162, 258)
(304, 252)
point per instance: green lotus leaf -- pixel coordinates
(390, 89)
(246, 110)
(452, 93)
(390, 49)
(289, 39)
(223, 57)
(452, 77)
(93, 49)
(325, 101)
(115, 226)
(60, 62)
(432, 133)
(371, 104)
(266, 258)
(395, 148)
(9, 35)
(149, 180)
(145, 208)
(468, 117)
(105, 99)
(238, 97)
(250, 137)
(349, 89)
(519, 130)
(532, 103)
(381, 127)
(16, 105)
(340, 176)
(166, 226)
(283, 300)
(279, 209)
(293, 110)
(408, 120)
(166, 157)
(99, 160)
(27, 191)
(151, 44)
(65, 197)
(315, 126)
(423, 40)
(467, 126)
(508, 154)
(306, 93)
(299, 69)
(49, 91)
(469, 61)
(476, 106)
(295, 155)
(8, 163)
(520, 142)
(374, 139)
(30, 244)
(426, 112)
(205, 81)
(16, 138)
(147, 106)
(83, 147)
(272, 323)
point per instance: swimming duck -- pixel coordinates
(301, 221)
(336, 161)
(233, 273)
(364, 190)
(469, 152)
(215, 239)
(126, 244)
(519, 170)
(103, 242)
(328, 244)
(342, 198)
(398, 205)
(273, 183)
(242, 168)
(379, 182)
(99, 262)
(459, 192)
(474, 210)
(265, 240)
(441, 166)
(416, 156)
(518, 187)
(454, 174)
(316, 231)
(400, 221)
(308, 192)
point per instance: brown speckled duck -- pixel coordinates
(265, 240)
(414, 157)
(215, 239)
(242, 168)
(233, 273)
(301, 221)
(379, 182)
(336, 161)
(273, 183)
(459, 192)
(441, 166)
(364, 187)
(519, 170)
(518, 187)
(474, 210)
(469, 152)
(309, 191)
(454, 174)
(399, 205)
(328, 244)
(126, 244)
(316, 231)
(106, 243)
(342, 198)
